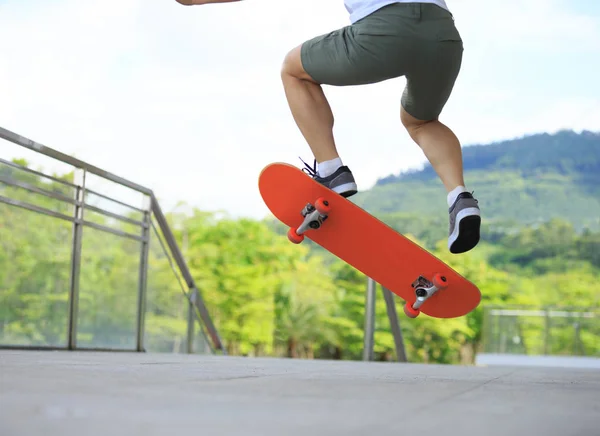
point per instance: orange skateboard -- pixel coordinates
(311, 210)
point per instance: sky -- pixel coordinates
(188, 101)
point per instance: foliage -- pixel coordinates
(520, 182)
(268, 297)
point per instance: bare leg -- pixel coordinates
(309, 107)
(441, 147)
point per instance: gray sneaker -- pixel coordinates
(465, 223)
(341, 182)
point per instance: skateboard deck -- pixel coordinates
(311, 210)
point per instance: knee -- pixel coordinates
(412, 124)
(289, 65)
(292, 66)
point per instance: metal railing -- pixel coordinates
(541, 331)
(369, 335)
(197, 310)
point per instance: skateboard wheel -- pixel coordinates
(439, 281)
(294, 237)
(410, 312)
(322, 206)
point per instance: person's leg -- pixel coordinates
(314, 118)
(309, 107)
(369, 51)
(330, 58)
(440, 146)
(429, 85)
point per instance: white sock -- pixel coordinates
(329, 167)
(452, 195)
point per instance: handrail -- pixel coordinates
(50, 152)
(179, 259)
(194, 296)
(37, 173)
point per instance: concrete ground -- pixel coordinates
(66, 393)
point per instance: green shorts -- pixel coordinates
(416, 40)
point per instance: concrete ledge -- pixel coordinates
(66, 393)
(489, 359)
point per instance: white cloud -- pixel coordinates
(188, 100)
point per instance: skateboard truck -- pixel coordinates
(314, 216)
(424, 289)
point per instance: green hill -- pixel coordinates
(519, 182)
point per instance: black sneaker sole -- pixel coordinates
(468, 235)
(348, 193)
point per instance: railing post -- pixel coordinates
(191, 322)
(547, 328)
(369, 321)
(187, 276)
(76, 258)
(81, 170)
(143, 274)
(394, 324)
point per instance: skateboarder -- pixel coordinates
(386, 39)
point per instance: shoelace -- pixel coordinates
(472, 194)
(311, 171)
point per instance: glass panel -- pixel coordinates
(113, 191)
(35, 265)
(108, 291)
(112, 206)
(35, 161)
(574, 336)
(35, 256)
(586, 332)
(532, 331)
(166, 305)
(112, 223)
(523, 334)
(9, 174)
(201, 342)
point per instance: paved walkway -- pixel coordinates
(88, 394)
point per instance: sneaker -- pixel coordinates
(465, 222)
(341, 181)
